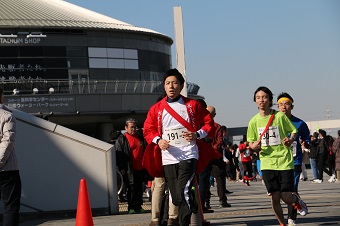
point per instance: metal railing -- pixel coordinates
(86, 86)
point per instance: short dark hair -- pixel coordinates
(130, 120)
(323, 133)
(284, 95)
(176, 73)
(267, 91)
(202, 102)
(224, 128)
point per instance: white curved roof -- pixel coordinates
(57, 13)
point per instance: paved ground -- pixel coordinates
(250, 206)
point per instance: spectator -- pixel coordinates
(130, 149)
(336, 151)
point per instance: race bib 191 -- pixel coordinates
(174, 135)
(271, 137)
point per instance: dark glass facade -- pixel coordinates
(84, 54)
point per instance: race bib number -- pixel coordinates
(293, 147)
(271, 137)
(174, 135)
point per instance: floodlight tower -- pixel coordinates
(179, 39)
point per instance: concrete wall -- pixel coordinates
(52, 161)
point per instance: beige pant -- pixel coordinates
(156, 201)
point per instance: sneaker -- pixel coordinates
(228, 192)
(318, 181)
(173, 222)
(224, 204)
(269, 194)
(300, 206)
(205, 210)
(154, 223)
(332, 179)
(291, 222)
(142, 211)
(132, 211)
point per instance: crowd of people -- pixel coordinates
(184, 151)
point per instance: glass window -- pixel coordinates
(77, 63)
(26, 63)
(115, 63)
(9, 51)
(130, 54)
(56, 74)
(115, 53)
(131, 64)
(55, 62)
(9, 62)
(31, 51)
(97, 63)
(76, 51)
(55, 51)
(97, 52)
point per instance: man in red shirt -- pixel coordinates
(130, 150)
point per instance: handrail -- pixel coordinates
(67, 86)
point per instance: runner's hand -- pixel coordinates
(189, 136)
(164, 144)
(256, 145)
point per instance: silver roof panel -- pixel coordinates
(57, 14)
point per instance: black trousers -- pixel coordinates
(247, 169)
(204, 185)
(322, 158)
(135, 191)
(180, 181)
(10, 190)
(218, 170)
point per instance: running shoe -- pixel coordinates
(317, 181)
(291, 222)
(132, 211)
(300, 206)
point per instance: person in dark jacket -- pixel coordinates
(218, 165)
(130, 150)
(322, 156)
(313, 155)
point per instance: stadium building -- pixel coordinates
(78, 68)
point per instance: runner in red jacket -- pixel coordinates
(173, 129)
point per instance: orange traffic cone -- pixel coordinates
(84, 213)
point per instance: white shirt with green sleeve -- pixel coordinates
(273, 155)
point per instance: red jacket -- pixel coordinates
(199, 118)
